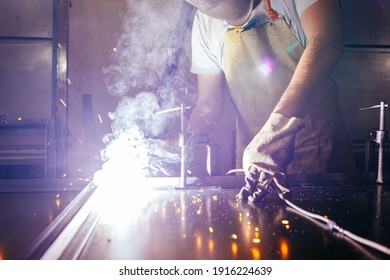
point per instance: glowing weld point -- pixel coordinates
(114, 49)
(211, 230)
(100, 118)
(19, 119)
(326, 217)
(63, 102)
(215, 198)
(58, 195)
(285, 222)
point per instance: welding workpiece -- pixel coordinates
(187, 144)
(187, 141)
(379, 136)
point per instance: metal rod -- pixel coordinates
(373, 107)
(381, 143)
(172, 110)
(183, 144)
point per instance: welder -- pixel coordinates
(277, 58)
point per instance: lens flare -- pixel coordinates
(265, 67)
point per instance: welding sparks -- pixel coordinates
(100, 118)
(63, 102)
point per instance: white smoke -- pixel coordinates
(139, 111)
(141, 78)
(142, 48)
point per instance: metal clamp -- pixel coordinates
(379, 137)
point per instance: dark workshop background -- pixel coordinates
(56, 63)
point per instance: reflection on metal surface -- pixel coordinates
(211, 246)
(256, 255)
(284, 249)
(234, 250)
(138, 222)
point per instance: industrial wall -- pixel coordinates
(118, 48)
(363, 74)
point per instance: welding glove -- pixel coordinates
(266, 157)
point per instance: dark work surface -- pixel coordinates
(203, 223)
(27, 207)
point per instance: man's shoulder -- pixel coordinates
(210, 24)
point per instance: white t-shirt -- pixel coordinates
(208, 33)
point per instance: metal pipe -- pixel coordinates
(183, 144)
(380, 136)
(380, 139)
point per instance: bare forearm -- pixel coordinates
(209, 106)
(317, 64)
(203, 119)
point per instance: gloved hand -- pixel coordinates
(266, 157)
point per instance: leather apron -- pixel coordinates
(259, 63)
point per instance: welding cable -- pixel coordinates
(323, 226)
(330, 223)
(334, 227)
